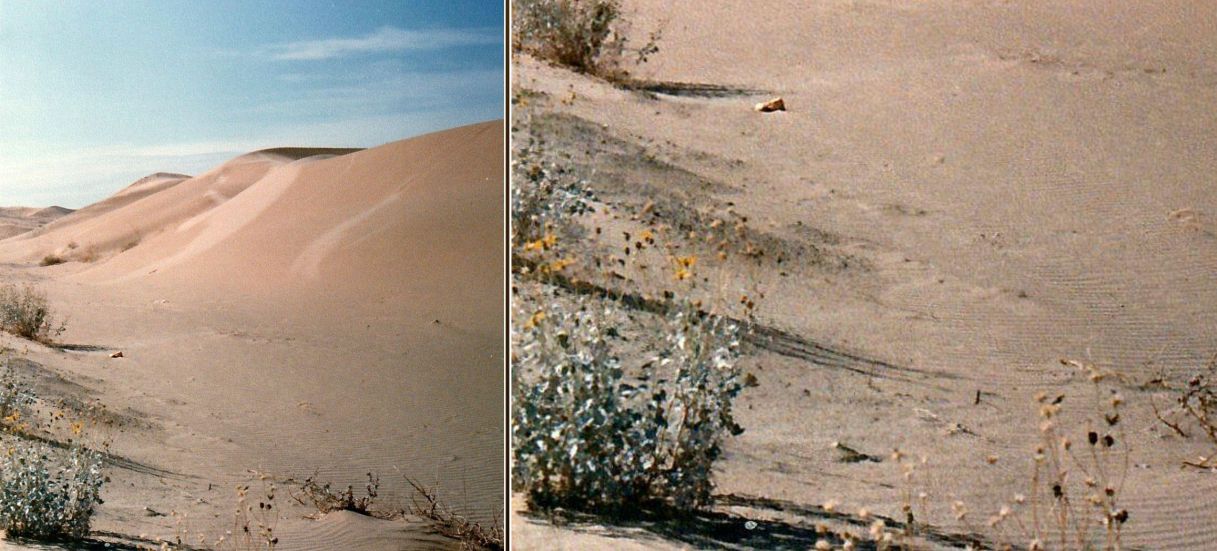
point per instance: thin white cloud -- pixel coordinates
(384, 40)
(363, 92)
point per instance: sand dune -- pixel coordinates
(294, 310)
(19, 220)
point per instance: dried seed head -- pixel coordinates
(876, 530)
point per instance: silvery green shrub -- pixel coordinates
(47, 493)
(542, 192)
(15, 394)
(588, 435)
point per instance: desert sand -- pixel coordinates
(978, 189)
(290, 311)
(18, 220)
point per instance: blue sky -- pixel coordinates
(94, 95)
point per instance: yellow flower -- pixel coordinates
(534, 319)
(545, 243)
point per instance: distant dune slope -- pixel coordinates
(295, 216)
(283, 218)
(18, 220)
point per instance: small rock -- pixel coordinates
(149, 512)
(846, 454)
(118, 354)
(775, 104)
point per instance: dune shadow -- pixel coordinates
(758, 336)
(687, 89)
(65, 347)
(747, 522)
(702, 530)
(98, 540)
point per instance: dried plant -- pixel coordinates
(1073, 497)
(326, 500)
(473, 536)
(24, 312)
(586, 35)
(1196, 405)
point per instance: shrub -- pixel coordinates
(585, 35)
(24, 312)
(587, 436)
(51, 260)
(542, 193)
(47, 493)
(15, 395)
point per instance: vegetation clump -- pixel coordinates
(327, 500)
(543, 194)
(48, 494)
(1196, 405)
(586, 435)
(588, 36)
(24, 312)
(473, 536)
(425, 503)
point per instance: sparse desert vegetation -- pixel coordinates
(589, 36)
(588, 435)
(1196, 408)
(25, 312)
(326, 500)
(52, 260)
(425, 503)
(47, 492)
(621, 225)
(313, 290)
(621, 400)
